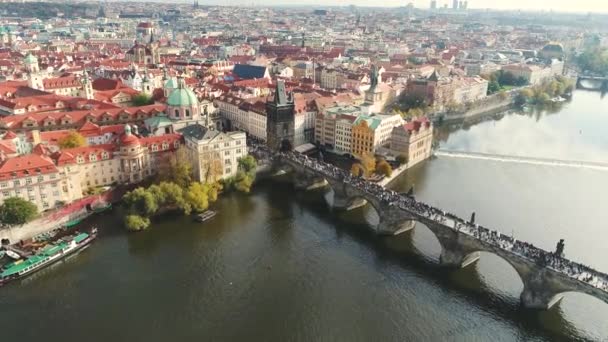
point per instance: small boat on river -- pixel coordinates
(207, 215)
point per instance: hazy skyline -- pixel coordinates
(547, 5)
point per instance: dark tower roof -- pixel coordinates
(434, 76)
(280, 94)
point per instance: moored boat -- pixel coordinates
(50, 254)
(207, 215)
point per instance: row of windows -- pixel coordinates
(28, 180)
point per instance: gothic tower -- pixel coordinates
(280, 113)
(87, 86)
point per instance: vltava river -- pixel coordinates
(277, 265)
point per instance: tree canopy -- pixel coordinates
(384, 168)
(177, 169)
(73, 139)
(141, 99)
(17, 211)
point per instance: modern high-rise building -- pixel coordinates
(455, 4)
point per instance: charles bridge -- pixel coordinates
(601, 81)
(545, 276)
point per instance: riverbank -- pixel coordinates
(73, 212)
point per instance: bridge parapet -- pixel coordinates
(544, 274)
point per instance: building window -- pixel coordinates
(16, 183)
(187, 113)
(165, 146)
(105, 155)
(227, 170)
(176, 113)
(227, 162)
(6, 193)
(3, 185)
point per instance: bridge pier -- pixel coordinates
(308, 183)
(393, 222)
(538, 293)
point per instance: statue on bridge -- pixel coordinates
(559, 249)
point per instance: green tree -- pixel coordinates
(136, 223)
(197, 196)
(248, 164)
(141, 202)
(384, 168)
(401, 159)
(73, 139)
(17, 211)
(142, 99)
(493, 87)
(243, 182)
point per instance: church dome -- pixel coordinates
(170, 84)
(30, 59)
(182, 97)
(128, 138)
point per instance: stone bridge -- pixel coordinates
(602, 80)
(543, 286)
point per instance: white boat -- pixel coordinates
(13, 255)
(207, 215)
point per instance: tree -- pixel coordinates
(17, 211)
(248, 164)
(401, 159)
(493, 86)
(356, 170)
(141, 99)
(73, 139)
(384, 168)
(197, 196)
(136, 223)
(177, 169)
(369, 163)
(243, 182)
(141, 202)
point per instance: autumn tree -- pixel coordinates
(177, 169)
(73, 139)
(368, 161)
(384, 168)
(356, 170)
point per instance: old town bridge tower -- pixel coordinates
(280, 119)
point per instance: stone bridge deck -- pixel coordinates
(545, 276)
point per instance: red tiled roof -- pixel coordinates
(28, 165)
(79, 117)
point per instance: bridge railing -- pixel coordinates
(522, 249)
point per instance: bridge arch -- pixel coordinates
(490, 267)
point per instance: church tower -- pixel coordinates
(146, 83)
(280, 113)
(34, 79)
(87, 86)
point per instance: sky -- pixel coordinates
(556, 5)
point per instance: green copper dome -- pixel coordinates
(30, 59)
(182, 97)
(170, 84)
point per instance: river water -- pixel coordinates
(277, 265)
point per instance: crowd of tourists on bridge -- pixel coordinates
(408, 203)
